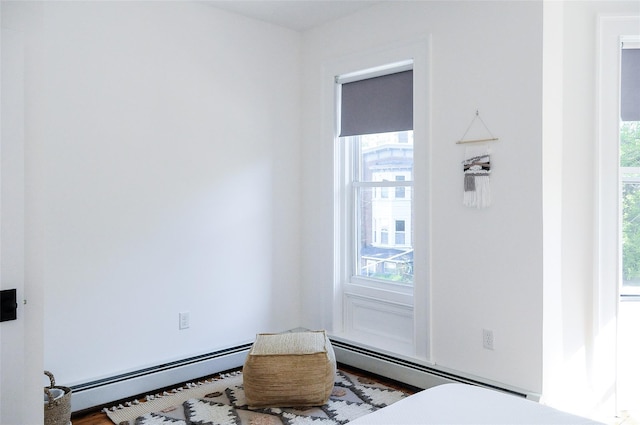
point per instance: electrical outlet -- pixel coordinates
(487, 339)
(183, 320)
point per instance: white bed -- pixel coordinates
(467, 404)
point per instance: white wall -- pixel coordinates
(161, 155)
(21, 356)
(486, 264)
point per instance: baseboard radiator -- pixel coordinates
(411, 372)
(125, 386)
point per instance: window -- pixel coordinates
(400, 189)
(376, 132)
(384, 192)
(380, 116)
(384, 237)
(399, 238)
(630, 192)
(630, 167)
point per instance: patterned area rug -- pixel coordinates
(222, 402)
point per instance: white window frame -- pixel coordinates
(607, 267)
(410, 302)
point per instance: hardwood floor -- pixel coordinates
(97, 417)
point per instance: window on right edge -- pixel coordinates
(630, 167)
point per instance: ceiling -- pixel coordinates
(298, 15)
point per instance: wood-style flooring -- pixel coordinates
(97, 417)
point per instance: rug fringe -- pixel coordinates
(186, 386)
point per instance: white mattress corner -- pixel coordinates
(458, 404)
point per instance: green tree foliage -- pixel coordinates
(630, 144)
(630, 157)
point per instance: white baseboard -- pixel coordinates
(412, 372)
(97, 393)
(409, 371)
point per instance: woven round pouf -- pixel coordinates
(291, 369)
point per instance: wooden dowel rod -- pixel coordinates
(476, 141)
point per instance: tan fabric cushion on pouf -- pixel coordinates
(289, 369)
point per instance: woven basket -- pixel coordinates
(289, 370)
(57, 412)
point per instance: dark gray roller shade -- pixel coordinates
(630, 85)
(377, 105)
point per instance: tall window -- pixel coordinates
(630, 167)
(376, 131)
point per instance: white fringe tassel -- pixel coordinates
(481, 196)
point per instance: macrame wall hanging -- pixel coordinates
(477, 168)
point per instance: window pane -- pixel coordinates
(630, 176)
(384, 250)
(631, 238)
(383, 173)
(384, 236)
(385, 157)
(630, 144)
(400, 189)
